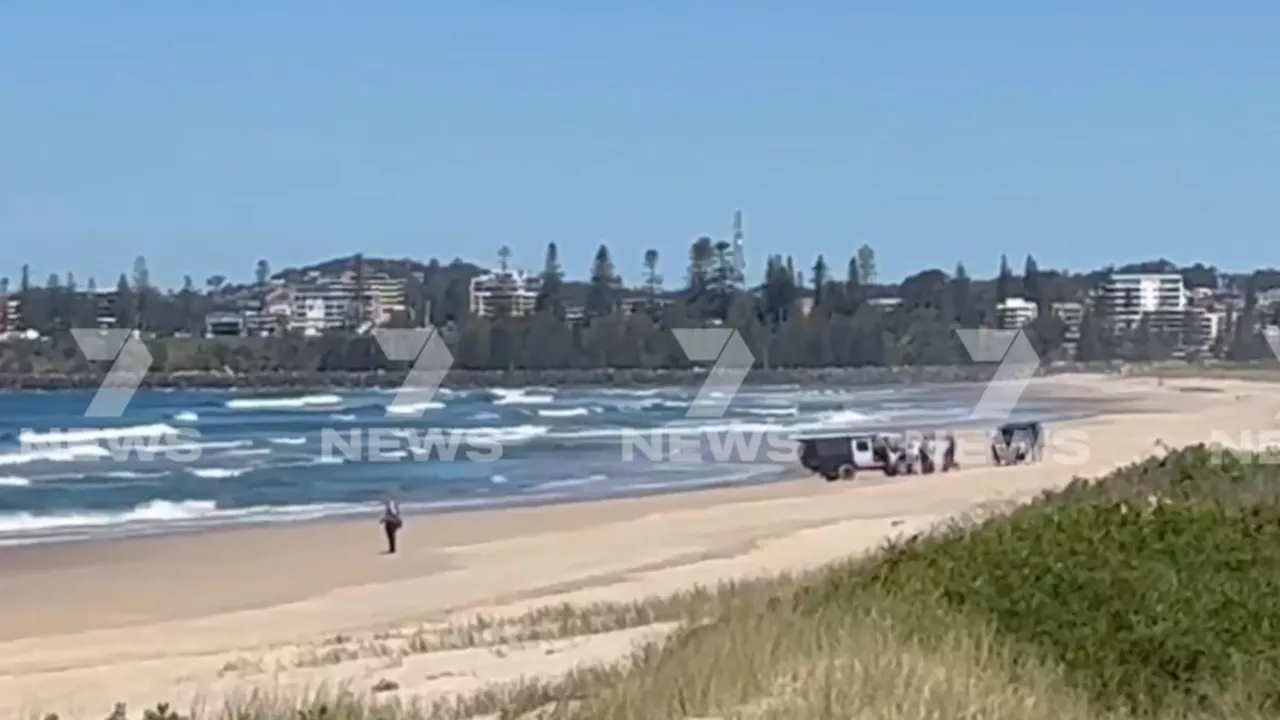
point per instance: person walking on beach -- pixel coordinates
(391, 524)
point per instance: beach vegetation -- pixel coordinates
(1153, 592)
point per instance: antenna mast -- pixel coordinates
(739, 253)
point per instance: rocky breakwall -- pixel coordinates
(615, 377)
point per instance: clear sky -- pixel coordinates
(206, 135)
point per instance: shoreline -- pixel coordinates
(412, 511)
(71, 534)
(202, 617)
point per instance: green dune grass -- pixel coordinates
(1153, 592)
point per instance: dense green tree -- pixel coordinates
(1004, 281)
(1031, 285)
(842, 330)
(551, 284)
(868, 272)
(602, 296)
(819, 280)
(652, 279)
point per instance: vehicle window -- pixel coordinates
(863, 446)
(832, 446)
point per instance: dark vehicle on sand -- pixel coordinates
(840, 457)
(1017, 443)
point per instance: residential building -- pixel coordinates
(1268, 299)
(1159, 298)
(321, 307)
(225, 324)
(382, 294)
(10, 314)
(106, 305)
(884, 303)
(273, 313)
(1072, 316)
(504, 292)
(1210, 326)
(574, 314)
(1012, 313)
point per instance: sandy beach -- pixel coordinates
(194, 617)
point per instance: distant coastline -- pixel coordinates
(631, 377)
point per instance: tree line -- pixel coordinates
(822, 316)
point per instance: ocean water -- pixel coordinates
(181, 460)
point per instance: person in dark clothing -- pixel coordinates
(391, 524)
(949, 455)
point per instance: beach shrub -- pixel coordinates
(1155, 588)
(1153, 592)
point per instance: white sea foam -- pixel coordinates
(248, 452)
(287, 441)
(769, 411)
(13, 481)
(135, 475)
(219, 473)
(565, 412)
(510, 434)
(284, 403)
(87, 436)
(186, 416)
(413, 408)
(153, 511)
(163, 512)
(68, 454)
(570, 483)
(520, 397)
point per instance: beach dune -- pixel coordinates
(194, 617)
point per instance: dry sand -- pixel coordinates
(194, 617)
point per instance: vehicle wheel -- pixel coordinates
(847, 472)
(830, 476)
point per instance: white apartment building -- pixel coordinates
(383, 294)
(320, 307)
(1012, 313)
(1213, 323)
(504, 292)
(1161, 298)
(10, 314)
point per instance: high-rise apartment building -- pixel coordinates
(1159, 298)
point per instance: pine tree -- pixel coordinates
(551, 284)
(601, 296)
(1004, 280)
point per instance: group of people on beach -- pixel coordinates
(923, 456)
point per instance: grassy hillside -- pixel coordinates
(1151, 593)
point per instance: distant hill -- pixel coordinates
(393, 267)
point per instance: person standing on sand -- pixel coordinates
(391, 524)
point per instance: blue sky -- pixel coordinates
(206, 135)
